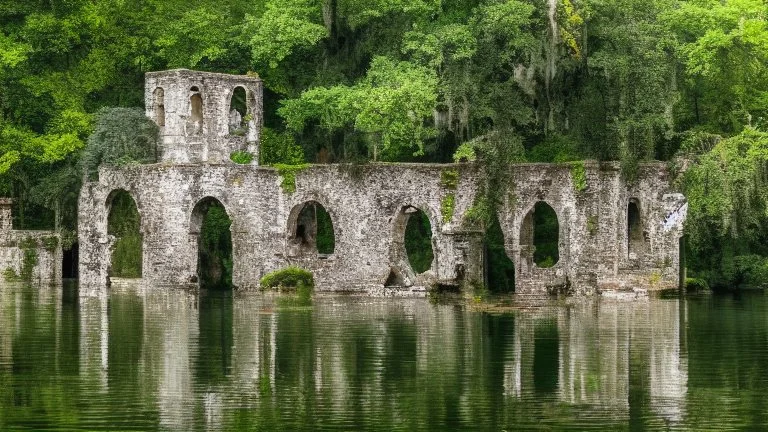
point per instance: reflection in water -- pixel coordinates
(173, 360)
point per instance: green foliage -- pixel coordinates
(418, 242)
(279, 148)
(578, 176)
(50, 243)
(123, 222)
(289, 277)
(545, 235)
(215, 249)
(121, 136)
(241, 157)
(464, 153)
(326, 239)
(449, 179)
(10, 275)
(288, 174)
(695, 284)
(29, 260)
(727, 191)
(447, 206)
(500, 269)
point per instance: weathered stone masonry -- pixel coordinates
(369, 205)
(43, 247)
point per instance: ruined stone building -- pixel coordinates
(612, 235)
(24, 254)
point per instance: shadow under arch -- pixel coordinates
(413, 249)
(210, 227)
(310, 230)
(124, 224)
(540, 236)
(635, 230)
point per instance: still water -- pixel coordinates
(153, 360)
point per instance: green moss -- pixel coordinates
(449, 179)
(578, 176)
(289, 277)
(288, 174)
(592, 225)
(29, 260)
(447, 206)
(50, 243)
(241, 157)
(10, 275)
(479, 214)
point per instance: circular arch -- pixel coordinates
(399, 253)
(308, 235)
(111, 198)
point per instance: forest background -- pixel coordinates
(501, 81)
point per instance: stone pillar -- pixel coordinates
(5, 216)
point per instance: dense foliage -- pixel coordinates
(400, 80)
(123, 223)
(289, 277)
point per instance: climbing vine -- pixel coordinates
(288, 175)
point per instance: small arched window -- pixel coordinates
(159, 106)
(635, 237)
(238, 111)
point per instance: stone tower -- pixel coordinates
(204, 116)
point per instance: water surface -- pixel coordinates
(170, 360)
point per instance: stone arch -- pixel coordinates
(238, 111)
(402, 272)
(195, 122)
(311, 230)
(214, 255)
(635, 230)
(124, 225)
(540, 236)
(158, 104)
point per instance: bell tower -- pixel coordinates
(203, 116)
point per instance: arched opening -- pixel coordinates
(540, 236)
(418, 240)
(123, 222)
(499, 269)
(211, 225)
(196, 111)
(412, 251)
(159, 106)
(635, 238)
(311, 231)
(238, 112)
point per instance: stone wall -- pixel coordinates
(367, 205)
(43, 250)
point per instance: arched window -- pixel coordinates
(210, 223)
(123, 222)
(238, 112)
(159, 106)
(540, 231)
(635, 238)
(196, 111)
(412, 250)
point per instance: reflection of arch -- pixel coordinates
(310, 230)
(402, 272)
(540, 236)
(210, 271)
(635, 237)
(158, 102)
(124, 226)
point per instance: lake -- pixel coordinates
(172, 360)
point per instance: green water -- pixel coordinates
(160, 360)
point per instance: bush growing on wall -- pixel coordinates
(121, 136)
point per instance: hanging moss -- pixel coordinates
(28, 247)
(288, 174)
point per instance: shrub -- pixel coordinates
(241, 157)
(289, 277)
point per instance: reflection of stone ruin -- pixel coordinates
(612, 235)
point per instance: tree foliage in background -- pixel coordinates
(397, 80)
